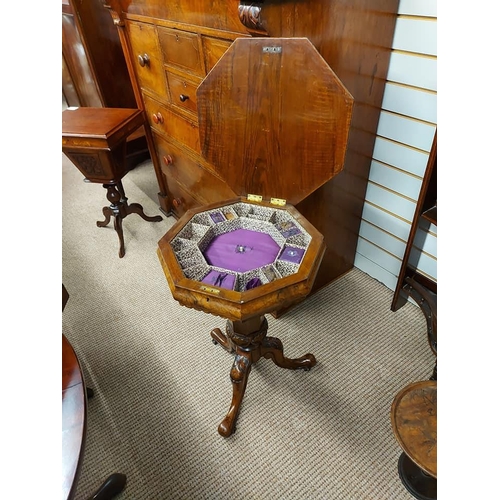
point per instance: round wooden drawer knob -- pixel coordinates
(176, 202)
(183, 97)
(157, 118)
(168, 160)
(143, 60)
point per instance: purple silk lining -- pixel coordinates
(241, 250)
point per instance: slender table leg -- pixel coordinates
(116, 210)
(272, 348)
(119, 231)
(113, 485)
(248, 339)
(108, 213)
(219, 338)
(135, 208)
(240, 371)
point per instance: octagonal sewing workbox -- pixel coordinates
(274, 122)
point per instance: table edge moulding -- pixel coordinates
(171, 47)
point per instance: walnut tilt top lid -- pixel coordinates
(274, 118)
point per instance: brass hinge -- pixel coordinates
(278, 201)
(254, 197)
(274, 201)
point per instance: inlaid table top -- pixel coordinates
(414, 422)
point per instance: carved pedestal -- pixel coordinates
(249, 341)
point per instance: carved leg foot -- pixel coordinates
(135, 208)
(219, 338)
(108, 213)
(272, 348)
(113, 485)
(239, 376)
(116, 210)
(119, 231)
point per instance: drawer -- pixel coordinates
(213, 49)
(146, 57)
(170, 124)
(183, 92)
(203, 185)
(181, 200)
(182, 50)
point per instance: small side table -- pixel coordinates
(414, 422)
(94, 139)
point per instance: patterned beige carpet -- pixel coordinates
(161, 386)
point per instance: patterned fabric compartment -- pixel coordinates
(193, 240)
(196, 273)
(190, 257)
(181, 244)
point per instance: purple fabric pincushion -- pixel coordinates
(292, 254)
(217, 278)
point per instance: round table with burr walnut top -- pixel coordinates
(414, 423)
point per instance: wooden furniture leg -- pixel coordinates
(420, 484)
(427, 301)
(248, 339)
(113, 485)
(119, 209)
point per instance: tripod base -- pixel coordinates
(248, 340)
(119, 209)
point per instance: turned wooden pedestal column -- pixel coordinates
(94, 139)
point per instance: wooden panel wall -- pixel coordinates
(404, 138)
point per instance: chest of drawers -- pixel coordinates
(170, 47)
